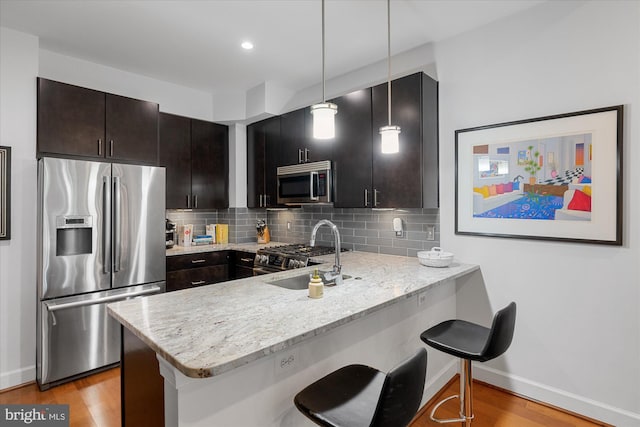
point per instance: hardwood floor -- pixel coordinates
(95, 402)
(495, 407)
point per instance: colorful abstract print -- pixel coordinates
(529, 206)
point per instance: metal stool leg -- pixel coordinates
(465, 396)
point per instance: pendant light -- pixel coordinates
(389, 134)
(324, 125)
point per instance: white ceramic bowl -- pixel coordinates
(436, 257)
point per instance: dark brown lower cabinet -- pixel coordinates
(141, 385)
(190, 271)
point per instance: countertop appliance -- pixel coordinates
(170, 234)
(99, 241)
(305, 183)
(287, 257)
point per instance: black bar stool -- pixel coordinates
(470, 342)
(361, 396)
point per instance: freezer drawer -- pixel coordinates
(77, 335)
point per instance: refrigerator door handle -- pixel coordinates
(111, 298)
(117, 224)
(106, 209)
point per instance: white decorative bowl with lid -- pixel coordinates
(436, 257)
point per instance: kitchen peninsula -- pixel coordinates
(236, 353)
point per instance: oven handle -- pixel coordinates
(312, 196)
(261, 271)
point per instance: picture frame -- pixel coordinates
(5, 193)
(561, 179)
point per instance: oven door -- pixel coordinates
(305, 187)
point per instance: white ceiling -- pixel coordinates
(197, 43)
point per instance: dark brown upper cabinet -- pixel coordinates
(364, 177)
(195, 154)
(209, 165)
(263, 149)
(409, 178)
(352, 152)
(297, 144)
(79, 122)
(175, 156)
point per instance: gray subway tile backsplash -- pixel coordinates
(362, 229)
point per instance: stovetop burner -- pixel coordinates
(301, 249)
(287, 257)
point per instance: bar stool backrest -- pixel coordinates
(402, 392)
(501, 333)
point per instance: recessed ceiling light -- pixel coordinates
(247, 45)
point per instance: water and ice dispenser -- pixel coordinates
(74, 235)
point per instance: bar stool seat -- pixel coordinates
(360, 396)
(470, 342)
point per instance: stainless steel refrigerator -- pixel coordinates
(100, 240)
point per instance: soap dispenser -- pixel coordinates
(316, 287)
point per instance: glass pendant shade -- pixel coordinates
(390, 140)
(324, 122)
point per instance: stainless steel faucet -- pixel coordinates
(336, 274)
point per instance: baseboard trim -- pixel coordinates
(17, 378)
(439, 380)
(551, 396)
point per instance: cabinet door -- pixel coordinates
(175, 156)
(192, 278)
(271, 141)
(352, 157)
(131, 130)
(397, 178)
(70, 120)
(209, 165)
(292, 138)
(255, 164)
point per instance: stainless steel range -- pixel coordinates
(287, 257)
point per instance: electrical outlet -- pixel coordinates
(286, 361)
(422, 298)
(431, 232)
(288, 225)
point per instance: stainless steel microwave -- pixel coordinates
(305, 183)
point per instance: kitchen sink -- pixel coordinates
(302, 281)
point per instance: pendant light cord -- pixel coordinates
(388, 57)
(324, 99)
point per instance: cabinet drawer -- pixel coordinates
(191, 278)
(204, 259)
(244, 259)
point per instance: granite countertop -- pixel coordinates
(213, 329)
(248, 247)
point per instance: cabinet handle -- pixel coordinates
(99, 147)
(246, 259)
(266, 200)
(306, 154)
(366, 197)
(299, 155)
(188, 201)
(375, 198)
(260, 200)
(195, 200)
(111, 148)
(199, 282)
(198, 261)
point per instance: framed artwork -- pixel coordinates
(574, 196)
(5, 193)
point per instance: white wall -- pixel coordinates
(172, 98)
(577, 340)
(18, 71)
